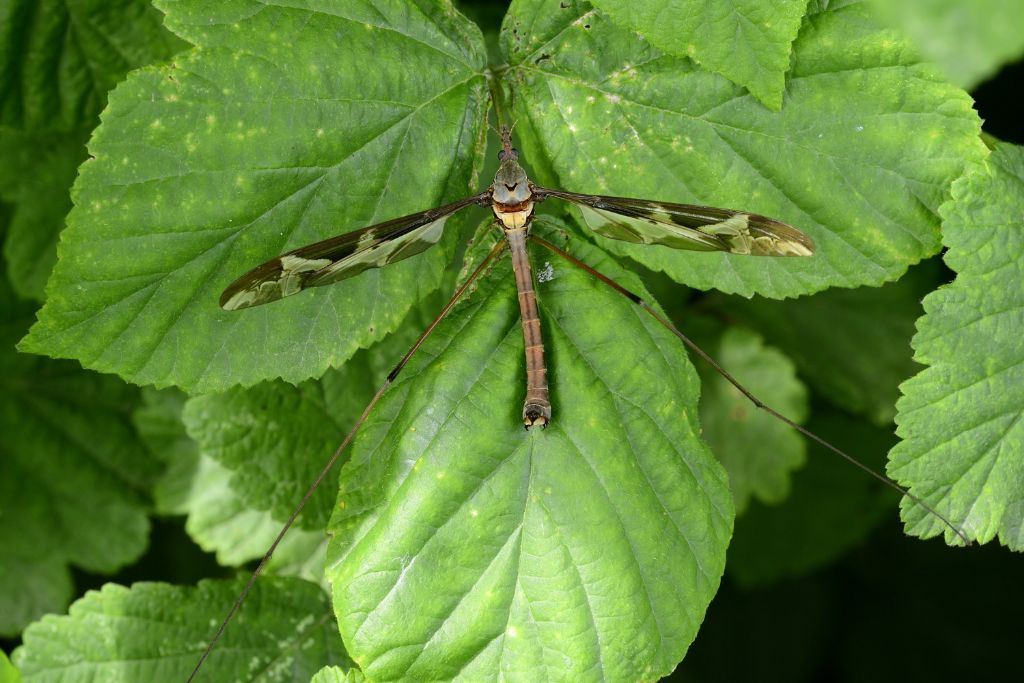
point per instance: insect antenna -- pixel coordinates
(498, 247)
(667, 324)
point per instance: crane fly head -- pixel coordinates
(511, 186)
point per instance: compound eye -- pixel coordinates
(515, 151)
(501, 155)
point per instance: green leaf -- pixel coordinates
(747, 41)
(273, 439)
(72, 472)
(8, 674)
(757, 450)
(197, 486)
(334, 674)
(970, 40)
(588, 549)
(220, 521)
(266, 136)
(832, 508)
(158, 422)
(156, 632)
(35, 179)
(853, 347)
(860, 157)
(960, 418)
(58, 59)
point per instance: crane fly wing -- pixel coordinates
(341, 257)
(686, 226)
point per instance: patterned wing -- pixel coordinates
(686, 226)
(341, 257)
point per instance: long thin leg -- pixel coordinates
(337, 454)
(743, 390)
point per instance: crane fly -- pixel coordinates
(512, 197)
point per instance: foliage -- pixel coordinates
(960, 419)
(970, 40)
(459, 543)
(289, 635)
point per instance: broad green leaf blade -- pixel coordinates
(832, 508)
(271, 134)
(960, 418)
(9, 674)
(35, 179)
(219, 521)
(72, 472)
(58, 59)
(589, 549)
(852, 346)
(970, 40)
(199, 487)
(156, 632)
(859, 158)
(158, 422)
(334, 674)
(747, 41)
(758, 451)
(272, 440)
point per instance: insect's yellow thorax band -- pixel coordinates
(516, 218)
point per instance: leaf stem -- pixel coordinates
(497, 96)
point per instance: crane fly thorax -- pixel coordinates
(511, 193)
